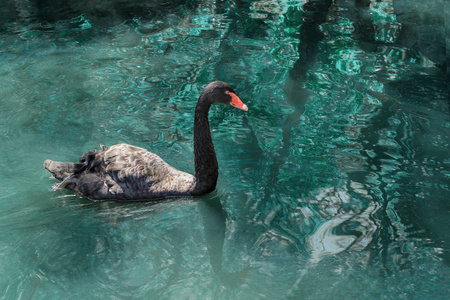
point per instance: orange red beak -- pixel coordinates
(236, 102)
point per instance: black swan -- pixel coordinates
(125, 172)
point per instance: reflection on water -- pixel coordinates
(337, 175)
(332, 208)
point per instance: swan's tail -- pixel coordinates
(76, 177)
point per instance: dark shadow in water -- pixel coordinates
(214, 222)
(314, 14)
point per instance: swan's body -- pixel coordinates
(127, 172)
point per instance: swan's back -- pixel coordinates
(122, 172)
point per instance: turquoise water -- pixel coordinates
(334, 185)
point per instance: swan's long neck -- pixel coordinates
(206, 167)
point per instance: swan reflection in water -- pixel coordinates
(169, 228)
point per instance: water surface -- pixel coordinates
(334, 185)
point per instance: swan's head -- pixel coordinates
(222, 92)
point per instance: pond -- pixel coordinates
(334, 184)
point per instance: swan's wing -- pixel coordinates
(134, 166)
(134, 172)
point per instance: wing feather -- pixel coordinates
(133, 172)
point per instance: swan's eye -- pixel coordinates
(227, 92)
